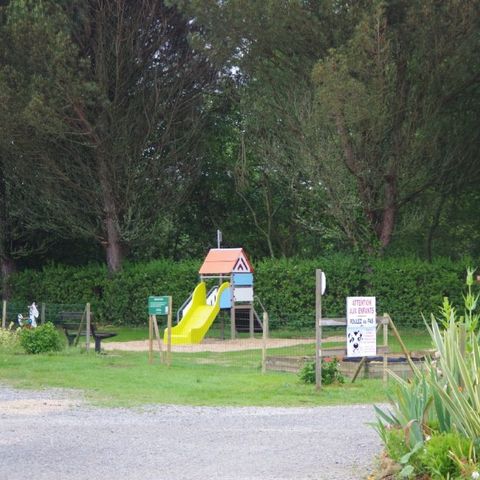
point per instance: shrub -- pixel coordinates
(45, 338)
(437, 457)
(9, 338)
(330, 373)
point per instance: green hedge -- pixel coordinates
(404, 287)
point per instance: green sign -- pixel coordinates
(158, 305)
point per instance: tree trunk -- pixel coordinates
(434, 225)
(112, 242)
(113, 245)
(7, 267)
(389, 211)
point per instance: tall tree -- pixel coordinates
(16, 239)
(117, 100)
(270, 48)
(389, 103)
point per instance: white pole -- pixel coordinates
(318, 330)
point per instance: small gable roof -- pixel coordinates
(223, 261)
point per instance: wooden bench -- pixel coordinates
(73, 326)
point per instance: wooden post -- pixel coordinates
(318, 330)
(42, 314)
(150, 339)
(357, 371)
(80, 328)
(264, 342)
(87, 330)
(250, 321)
(364, 359)
(169, 332)
(4, 314)
(157, 335)
(402, 345)
(232, 322)
(385, 344)
(222, 317)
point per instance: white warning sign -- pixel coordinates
(361, 327)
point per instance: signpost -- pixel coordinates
(361, 327)
(159, 306)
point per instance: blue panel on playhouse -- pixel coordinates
(243, 279)
(226, 299)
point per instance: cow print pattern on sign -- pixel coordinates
(355, 339)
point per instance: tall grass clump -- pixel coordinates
(9, 338)
(437, 413)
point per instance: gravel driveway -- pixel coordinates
(53, 434)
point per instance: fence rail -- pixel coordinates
(49, 312)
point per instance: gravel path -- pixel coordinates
(53, 434)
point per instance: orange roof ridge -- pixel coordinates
(222, 261)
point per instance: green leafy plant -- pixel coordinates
(394, 440)
(470, 318)
(438, 455)
(444, 394)
(469, 466)
(45, 338)
(409, 461)
(410, 411)
(330, 373)
(454, 376)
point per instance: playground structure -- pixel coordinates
(234, 293)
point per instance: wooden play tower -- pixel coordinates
(233, 265)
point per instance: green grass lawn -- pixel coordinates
(126, 379)
(414, 338)
(227, 378)
(126, 334)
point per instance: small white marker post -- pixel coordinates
(319, 290)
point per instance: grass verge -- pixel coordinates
(126, 379)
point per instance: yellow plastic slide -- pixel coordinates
(198, 319)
